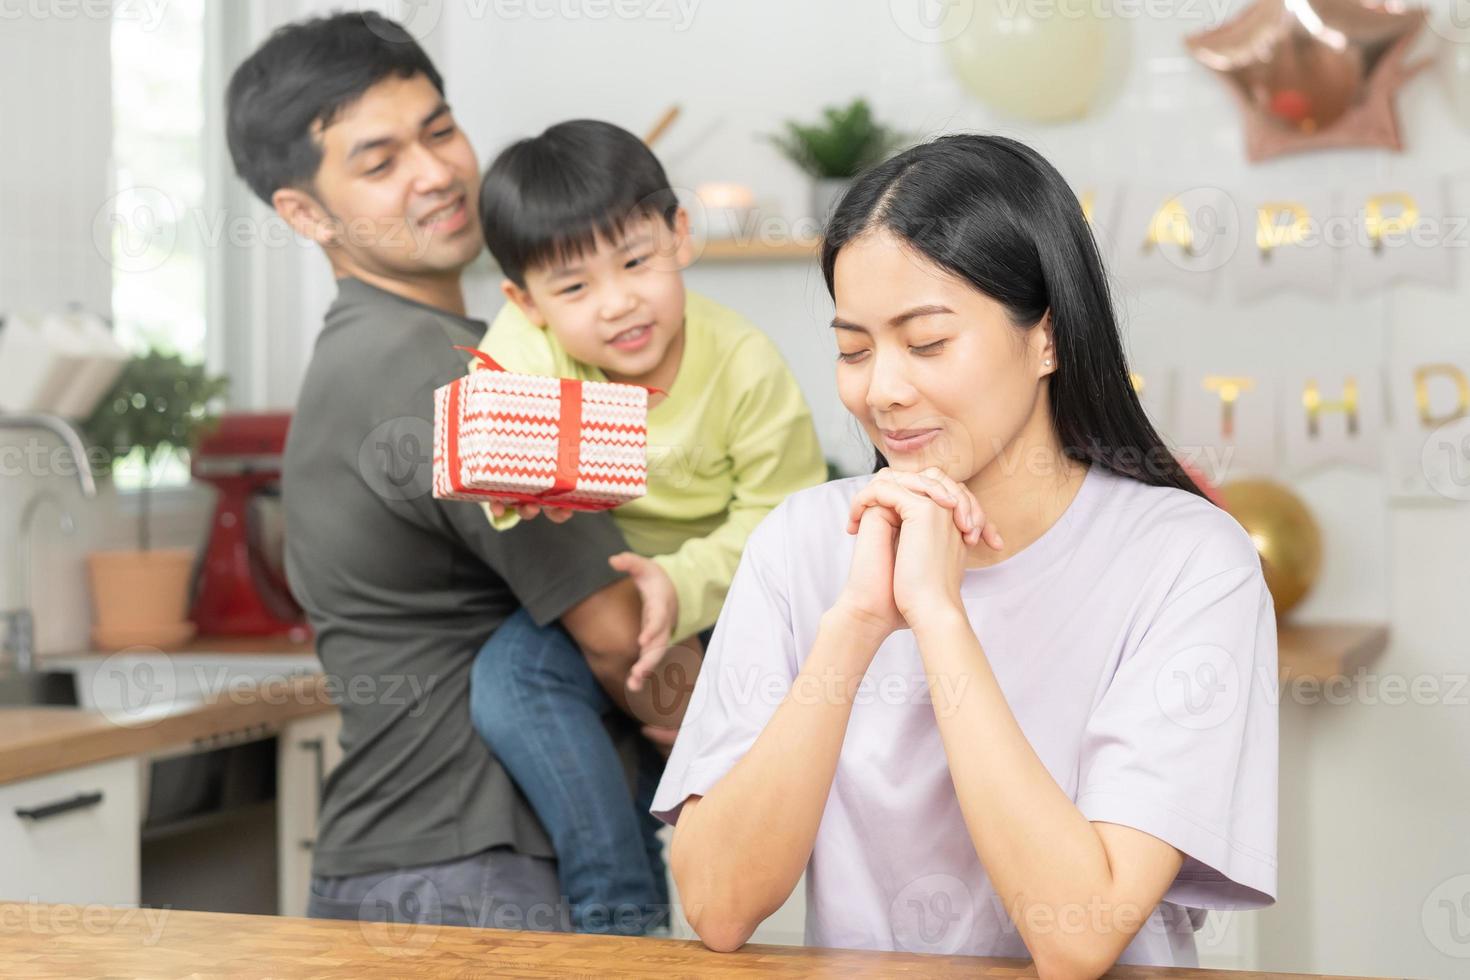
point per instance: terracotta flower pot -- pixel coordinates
(141, 598)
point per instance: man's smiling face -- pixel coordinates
(398, 181)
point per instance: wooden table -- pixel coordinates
(54, 941)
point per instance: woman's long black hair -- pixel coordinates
(995, 213)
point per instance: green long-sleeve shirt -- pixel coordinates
(733, 438)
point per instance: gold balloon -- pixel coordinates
(1285, 534)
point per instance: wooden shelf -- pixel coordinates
(738, 250)
(1327, 650)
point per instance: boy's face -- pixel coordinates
(394, 194)
(619, 307)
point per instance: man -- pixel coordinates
(340, 124)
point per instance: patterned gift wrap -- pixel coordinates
(532, 439)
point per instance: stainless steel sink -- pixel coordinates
(39, 687)
(135, 686)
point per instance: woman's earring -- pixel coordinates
(1047, 362)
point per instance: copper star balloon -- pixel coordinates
(1314, 74)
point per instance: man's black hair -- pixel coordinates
(305, 74)
(550, 197)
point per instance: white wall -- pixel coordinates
(54, 177)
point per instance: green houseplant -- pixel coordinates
(843, 143)
(160, 406)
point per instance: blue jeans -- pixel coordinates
(536, 702)
(494, 889)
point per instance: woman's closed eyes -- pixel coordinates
(923, 350)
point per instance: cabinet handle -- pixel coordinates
(317, 747)
(78, 802)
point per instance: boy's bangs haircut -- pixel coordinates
(549, 199)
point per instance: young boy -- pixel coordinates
(592, 243)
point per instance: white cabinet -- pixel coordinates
(307, 750)
(72, 836)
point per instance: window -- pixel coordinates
(160, 226)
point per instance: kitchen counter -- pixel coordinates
(54, 941)
(35, 741)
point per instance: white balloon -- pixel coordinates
(1046, 62)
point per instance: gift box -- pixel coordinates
(524, 438)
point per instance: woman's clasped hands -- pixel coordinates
(914, 531)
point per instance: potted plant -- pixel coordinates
(833, 151)
(159, 406)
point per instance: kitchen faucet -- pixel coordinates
(19, 642)
(69, 436)
(20, 632)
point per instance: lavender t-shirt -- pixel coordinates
(1135, 643)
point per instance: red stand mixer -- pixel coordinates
(240, 588)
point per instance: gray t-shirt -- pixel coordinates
(403, 589)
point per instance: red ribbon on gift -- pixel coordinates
(569, 446)
(569, 436)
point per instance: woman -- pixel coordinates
(1011, 695)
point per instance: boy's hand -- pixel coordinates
(660, 612)
(557, 515)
